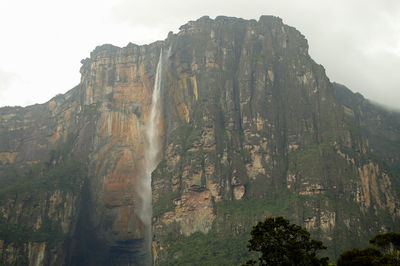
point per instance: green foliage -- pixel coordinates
(40, 179)
(206, 249)
(183, 136)
(256, 207)
(387, 241)
(313, 159)
(30, 190)
(389, 244)
(368, 257)
(49, 232)
(283, 243)
(164, 203)
(64, 150)
(226, 243)
(236, 217)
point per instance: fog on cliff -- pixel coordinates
(43, 41)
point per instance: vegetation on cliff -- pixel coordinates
(251, 127)
(39, 205)
(254, 123)
(385, 252)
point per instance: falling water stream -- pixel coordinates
(151, 159)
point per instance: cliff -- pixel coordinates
(380, 126)
(97, 126)
(250, 126)
(263, 134)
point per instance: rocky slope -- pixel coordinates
(251, 126)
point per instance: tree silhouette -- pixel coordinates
(388, 242)
(283, 243)
(389, 245)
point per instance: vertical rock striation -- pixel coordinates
(255, 129)
(101, 126)
(119, 84)
(248, 125)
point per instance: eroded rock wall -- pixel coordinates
(99, 124)
(259, 132)
(42, 173)
(250, 127)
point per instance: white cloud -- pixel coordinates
(43, 41)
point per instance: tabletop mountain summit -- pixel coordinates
(170, 152)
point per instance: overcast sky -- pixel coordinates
(43, 41)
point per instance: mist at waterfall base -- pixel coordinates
(151, 160)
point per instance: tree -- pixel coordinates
(283, 243)
(360, 257)
(389, 244)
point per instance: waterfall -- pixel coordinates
(151, 160)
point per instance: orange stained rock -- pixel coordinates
(57, 134)
(193, 212)
(123, 224)
(7, 116)
(373, 186)
(118, 194)
(212, 65)
(52, 105)
(271, 75)
(124, 169)
(194, 84)
(183, 81)
(183, 112)
(8, 157)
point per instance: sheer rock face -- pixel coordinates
(250, 127)
(119, 82)
(260, 127)
(100, 124)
